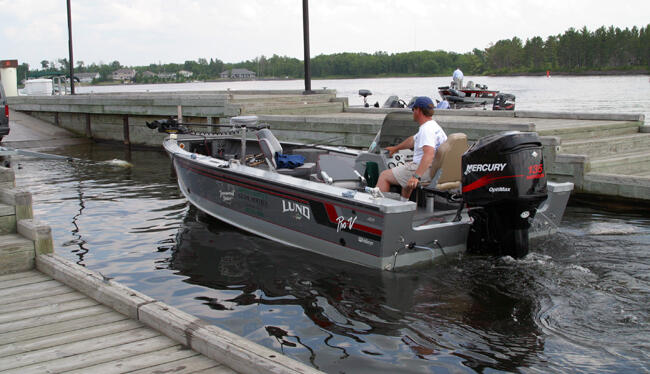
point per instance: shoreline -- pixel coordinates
(538, 74)
(577, 74)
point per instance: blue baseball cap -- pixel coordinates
(422, 102)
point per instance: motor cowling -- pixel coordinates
(503, 185)
(504, 101)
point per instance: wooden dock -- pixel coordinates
(46, 327)
(57, 316)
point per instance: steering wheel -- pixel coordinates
(398, 158)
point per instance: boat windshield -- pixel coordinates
(396, 127)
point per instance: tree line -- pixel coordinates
(574, 51)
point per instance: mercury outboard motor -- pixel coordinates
(504, 101)
(503, 185)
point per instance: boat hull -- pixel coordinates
(262, 202)
(337, 222)
(469, 98)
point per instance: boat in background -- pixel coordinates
(476, 95)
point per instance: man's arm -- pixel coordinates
(427, 159)
(406, 144)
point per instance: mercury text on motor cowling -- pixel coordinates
(472, 168)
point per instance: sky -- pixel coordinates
(143, 32)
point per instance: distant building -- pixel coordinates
(185, 73)
(86, 77)
(123, 74)
(166, 75)
(148, 74)
(242, 74)
(238, 74)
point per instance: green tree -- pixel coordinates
(534, 54)
(550, 52)
(505, 55)
(21, 71)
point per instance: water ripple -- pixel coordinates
(577, 303)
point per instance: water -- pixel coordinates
(618, 94)
(577, 303)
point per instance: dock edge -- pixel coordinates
(218, 344)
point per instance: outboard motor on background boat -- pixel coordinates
(394, 101)
(503, 185)
(365, 94)
(504, 101)
(168, 126)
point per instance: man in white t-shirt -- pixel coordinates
(457, 79)
(424, 144)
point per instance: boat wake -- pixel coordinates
(118, 163)
(609, 228)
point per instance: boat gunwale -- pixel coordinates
(362, 199)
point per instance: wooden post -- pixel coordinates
(20, 199)
(38, 232)
(7, 177)
(127, 137)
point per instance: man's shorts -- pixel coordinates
(404, 172)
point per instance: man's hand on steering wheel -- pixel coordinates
(391, 150)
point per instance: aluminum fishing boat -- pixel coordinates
(491, 197)
(476, 95)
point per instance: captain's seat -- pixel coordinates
(446, 170)
(270, 146)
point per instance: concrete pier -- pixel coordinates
(603, 154)
(56, 316)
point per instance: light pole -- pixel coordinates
(70, 50)
(305, 32)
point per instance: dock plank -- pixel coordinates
(22, 274)
(37, 302)
(27, 289)
(46, 310)
(76, 348)
(33, 278)
(142, 362)
(185, 366)
(52, 318)
(216, 370)
(59, 327)
(57, 289)
(39, 343)
(89, 359)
